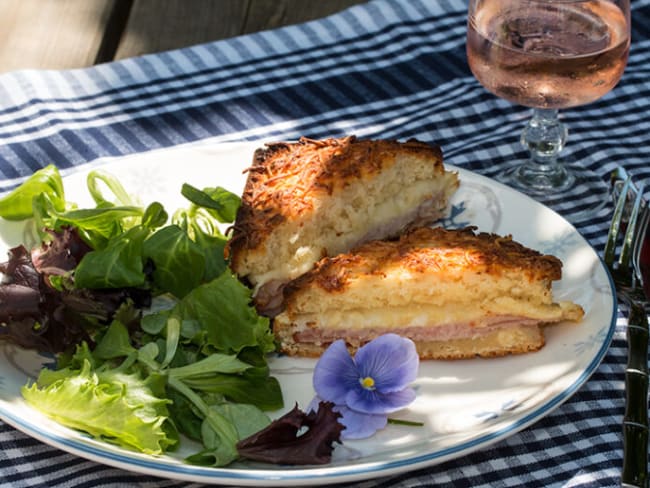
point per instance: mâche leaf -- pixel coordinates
(118, 265)
(178, 262)
(263, 392)
(154, 216)
(208, 366)
(17, 205)
(111, 183)
(96, 225)
(221, 203)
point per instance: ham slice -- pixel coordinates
(445, 332)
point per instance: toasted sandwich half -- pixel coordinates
(455, 293)
(314, 198)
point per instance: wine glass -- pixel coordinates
(549, 55)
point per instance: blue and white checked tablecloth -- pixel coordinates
(389, 69)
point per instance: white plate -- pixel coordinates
(465, 405)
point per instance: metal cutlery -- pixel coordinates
(630, 222)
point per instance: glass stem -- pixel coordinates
(544, 136)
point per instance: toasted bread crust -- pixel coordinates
(449, 254)
(286, 179)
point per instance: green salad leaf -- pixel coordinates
(221, 449)
(201, 228)
(17, 205)
(110, 405)
(115, 343)
(118, 265)
(179, 262)
(113, 185)
(95, 225)
(262, 391)
(222, 307)
(219, 202)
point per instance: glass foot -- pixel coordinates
(577, 195)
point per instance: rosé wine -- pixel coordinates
(548, 55)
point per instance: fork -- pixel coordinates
(626, 273)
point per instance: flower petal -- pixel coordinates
(313, 405)
(390, 360)
(359, 425)
(376, 402)
(335, 374)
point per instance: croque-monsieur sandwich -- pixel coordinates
(314, 198)
(455, 293)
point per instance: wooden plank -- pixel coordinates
(51, 34)
(269, 14)
(156, 25)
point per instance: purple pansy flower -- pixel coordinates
(366, 388)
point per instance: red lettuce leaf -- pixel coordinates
(61, 254)
(19, 269)
(284, 442)
(35, 315)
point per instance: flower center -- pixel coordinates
(368, 383)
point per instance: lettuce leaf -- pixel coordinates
(221, 448)
(295, 438)
(17, 205)
(223, 308)
(219, 202)
(202, 229)
(110, 405)
(179, 262)
(119, 265)
(113, 185)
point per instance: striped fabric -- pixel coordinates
(390, 69)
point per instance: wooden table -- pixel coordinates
(62, 34)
